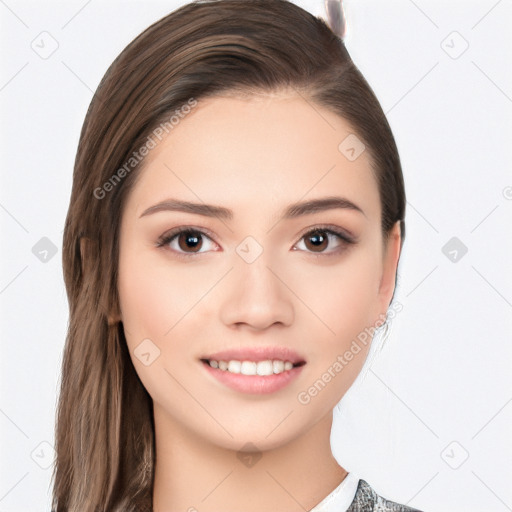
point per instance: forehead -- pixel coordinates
(259, 151)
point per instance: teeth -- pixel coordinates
(264, 368)
(278, 366)
(267, 367)
(234, 366)
(247, 367)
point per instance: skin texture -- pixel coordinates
(254, 155)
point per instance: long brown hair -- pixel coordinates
(104, 427)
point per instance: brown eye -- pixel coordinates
(190, 240)
(185, 242)
(317, 241)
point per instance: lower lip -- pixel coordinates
(255, 384)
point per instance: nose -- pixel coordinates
(255, 295)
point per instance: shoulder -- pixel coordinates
(367, 500)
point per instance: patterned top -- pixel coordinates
(367, 500)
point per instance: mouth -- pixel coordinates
(247, 367)
(259, 360)
(257, 370)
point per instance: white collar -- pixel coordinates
(340, 499)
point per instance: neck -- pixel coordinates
(191, 473)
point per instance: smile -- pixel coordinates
(262, 368)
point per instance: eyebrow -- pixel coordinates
(292, 211)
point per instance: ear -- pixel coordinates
(89, 261)
(391, 257)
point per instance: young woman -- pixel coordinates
(234, 229)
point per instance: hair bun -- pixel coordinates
(336, 17)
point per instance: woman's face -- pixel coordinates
(254, 275)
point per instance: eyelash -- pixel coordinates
(344, 238)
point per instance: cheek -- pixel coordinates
(156, 304)
(342, 298)
(342, 301)
(153, 297)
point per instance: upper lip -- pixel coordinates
(257, 354)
